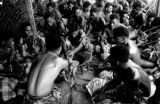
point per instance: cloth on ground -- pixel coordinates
(7, 86)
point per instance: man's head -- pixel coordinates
(27, 29)
(115, 20)
(121, 35)
(53, 43)
(77, 11)
(94, 12)
(51, 21)
(124, 17)
(108, 7)
(137, 6)
(120, 54)
(70, 4)
(102, 2)
(51, 6)
(151, 17)
(87, 6)
(99, 7)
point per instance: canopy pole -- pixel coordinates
(31, 15)
(158, 8)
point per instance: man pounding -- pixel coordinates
(44, 71)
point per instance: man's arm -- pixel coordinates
(144, 63)
(141, 84)
(89, 30)
(77, 49)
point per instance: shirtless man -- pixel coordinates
(44, 71)
(121, 36)
(133, 76)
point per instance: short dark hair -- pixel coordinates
(53, 42)
(121, 31)
(151, 14)
(137, 4)
(114, 16)
(122, 12)
(86, 4)
(25, 24)
(94, 10)
(52, 4)
(75, 8)
(108, 4)
(101, 0)
(120, 53)
(99, 5)
(70, 2)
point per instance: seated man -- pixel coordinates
(96, 25)
(121, 36)
(76, 22)
(134, 78)
(7, 51)
(44, 71)
(52, 26)
(83, 51)
(29, 44)
(137, 17)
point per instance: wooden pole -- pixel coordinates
(31, 14)
(158, 8)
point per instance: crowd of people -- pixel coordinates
(71, 36)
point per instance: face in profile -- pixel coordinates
(126, 19)
(109, 9)
(114, 23)
(88, 8)
(120, 40)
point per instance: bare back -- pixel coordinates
(44, 71)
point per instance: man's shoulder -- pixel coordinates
(133, 47)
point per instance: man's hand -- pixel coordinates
(100, 97)
(70, 54)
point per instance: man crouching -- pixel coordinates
(44, 71)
